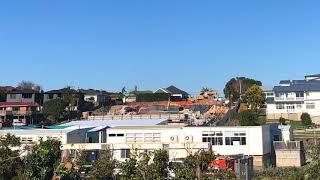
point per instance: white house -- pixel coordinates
(291, 98)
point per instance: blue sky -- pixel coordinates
(108, 44)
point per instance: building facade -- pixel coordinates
(291, 98)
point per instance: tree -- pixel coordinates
(54, 108)
(129, 169)
(232, 87)
(10, 162)
(29, 85)
(204, 90)
(3, 96)
(254, 97)
(104, 167)
(160, 163)
(306, 119)
(43, 160)
(188, 169)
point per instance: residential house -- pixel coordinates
(176, 93)
(291, 98)
(97, 97)
(132, 96)
(21, 113)
(25, 95)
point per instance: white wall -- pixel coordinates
(258, 141)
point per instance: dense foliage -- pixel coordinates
(104, 167)
(54, 108)
(232, 88)
(254, 97)
(282, 120)
(151, 97)
(306, 119)
(10, 162)
(43, 160)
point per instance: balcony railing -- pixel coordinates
(17, 112)
(289, 98)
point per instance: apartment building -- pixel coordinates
(291, 98)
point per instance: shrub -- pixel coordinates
(248, 118)
(306, 119)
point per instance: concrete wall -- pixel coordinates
(289, 158)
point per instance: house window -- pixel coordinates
(50, 96)
(134, 137)
(13, 96)
(310, 106)
(290, 106)
(15, 108)
(125, 153)
(152, 137)
(236, 139)
(27, 95)
(280, 106)
(299, 106)
(116, 135)
(299, 94)
(214, 137)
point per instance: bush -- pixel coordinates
(282, 120)
(306, 119)
(248, 118)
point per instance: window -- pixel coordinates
(50, 96)
(310, 106)
(290, 106)
(125, 153)
(134, 137)
(214, 137)
(26, 139)
(270, 94)
(299, 94)
(116, 135)
(299, 106)
(15, 108)
(152, 137)
(236, 139)
(27, 95)
(13, 96)
(280, 106)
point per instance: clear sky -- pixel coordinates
(108, 44)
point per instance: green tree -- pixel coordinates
(160, 163)
(3, 96)
(129, 169)
(10, 162)
(254, 97)
(43, 160)
(306, 119)
(248, 118)
(188, 169)
(232, 87)
(145, 170)
(104, 167)
(54, 108)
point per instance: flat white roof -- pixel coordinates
(112, 123)
(44, 132)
